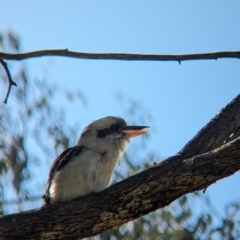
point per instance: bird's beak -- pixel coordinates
(133, 131)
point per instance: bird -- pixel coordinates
(87, 167)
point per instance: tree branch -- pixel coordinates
(110, 56)
(9, 77)
(140, 194)
(145, 192)
(120, 56)
(221, 129)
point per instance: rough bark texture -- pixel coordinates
(214, 153)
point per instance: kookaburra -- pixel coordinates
(88, 166)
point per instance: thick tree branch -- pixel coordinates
(221, 129)
(145, 192)
(9, 77)
(119, 56)
(140, 194)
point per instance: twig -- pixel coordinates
(120, 56)
(10, 81)
(109, 56)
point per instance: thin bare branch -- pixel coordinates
(9, 77)
(120, 56)
(110, 56)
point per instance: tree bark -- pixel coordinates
(214, 153)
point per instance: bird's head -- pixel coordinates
(109, 134)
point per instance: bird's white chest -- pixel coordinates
(89, 172)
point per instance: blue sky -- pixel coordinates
(181, 98)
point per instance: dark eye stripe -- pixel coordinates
(114, 127)
(106, 131)
(103, 132)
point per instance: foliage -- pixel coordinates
(33, 128)
(29, 117)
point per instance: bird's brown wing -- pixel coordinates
(62, 160)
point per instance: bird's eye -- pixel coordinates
(106, 131)
(114, 127)
(102, 133)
